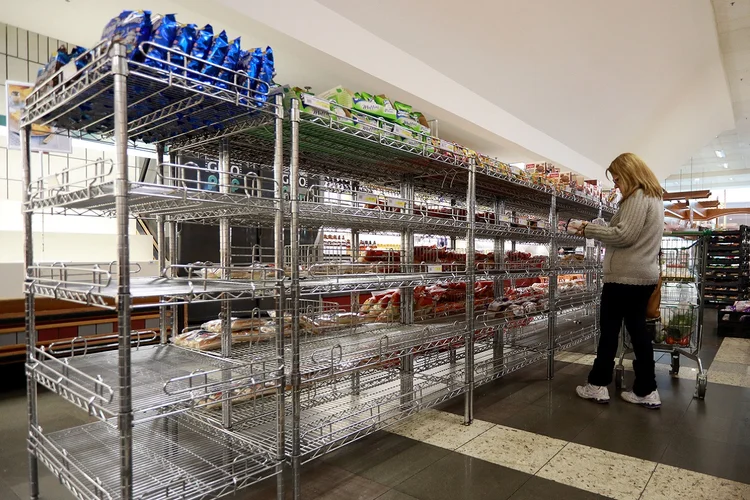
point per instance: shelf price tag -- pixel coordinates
(403, 132)
(523, 221)
(434, 268)
(316, 102)
(447, 146)
(367, 198)
(394, 202)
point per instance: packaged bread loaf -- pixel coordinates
(237, 324)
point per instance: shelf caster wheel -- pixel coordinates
(700, 386)
(675, 364)
(619, 377)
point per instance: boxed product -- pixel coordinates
(592, 189)
(308, 102)
(339, 95)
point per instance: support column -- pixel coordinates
(598, 281)
(278, 234)
(295, 297)
(498, 349)
(172, 235)
(354, 297)
(31, 336)
(225, 261)
(161, 243)
(700, 284)
(407, 254)
(407, 380)
(125, 410)
(499, 251)
(553, 272)
(470, 275)
(354, 307)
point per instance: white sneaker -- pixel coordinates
(598, 393)
(652, 401)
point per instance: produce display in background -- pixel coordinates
(734, 320)
(165, 49)
(742, 306)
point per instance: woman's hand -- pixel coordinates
(582, 229)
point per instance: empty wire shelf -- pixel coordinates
(165, 379)
(175, 458)
(97, 285)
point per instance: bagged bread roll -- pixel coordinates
(347, 318)
(198, 339)
(365, 308)
(237, 324)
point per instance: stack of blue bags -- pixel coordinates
(213, 59)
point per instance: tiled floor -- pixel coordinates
(532, 439)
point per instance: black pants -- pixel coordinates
(628, 303)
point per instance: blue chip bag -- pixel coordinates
(183, 42)
(249, 64)
(216, 56)
(130, 28)
(76, 54)
(243, 64)
(265, 77)
(163, 35)
(60, 59)
(200, 49)
(253, 70)
(109, 29)
(231, 61)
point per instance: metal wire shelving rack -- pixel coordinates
(301, 384)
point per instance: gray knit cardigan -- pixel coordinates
(632, 241)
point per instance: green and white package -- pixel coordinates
(379, 106)
(339, 95)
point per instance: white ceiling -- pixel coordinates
(600, 77)
(576, 82)
(705, 169)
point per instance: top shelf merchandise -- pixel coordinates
(165, 102)
(344, 343)
(171, 103)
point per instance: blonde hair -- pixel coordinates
(633, 174)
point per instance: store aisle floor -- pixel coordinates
(532, 439)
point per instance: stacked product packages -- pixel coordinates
(397, 121)
(203, 57)
(375, 114)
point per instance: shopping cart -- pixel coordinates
(679, 330)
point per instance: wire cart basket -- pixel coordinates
(679, 328)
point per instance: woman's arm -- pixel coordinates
(625, 232)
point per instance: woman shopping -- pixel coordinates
(631, 272)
